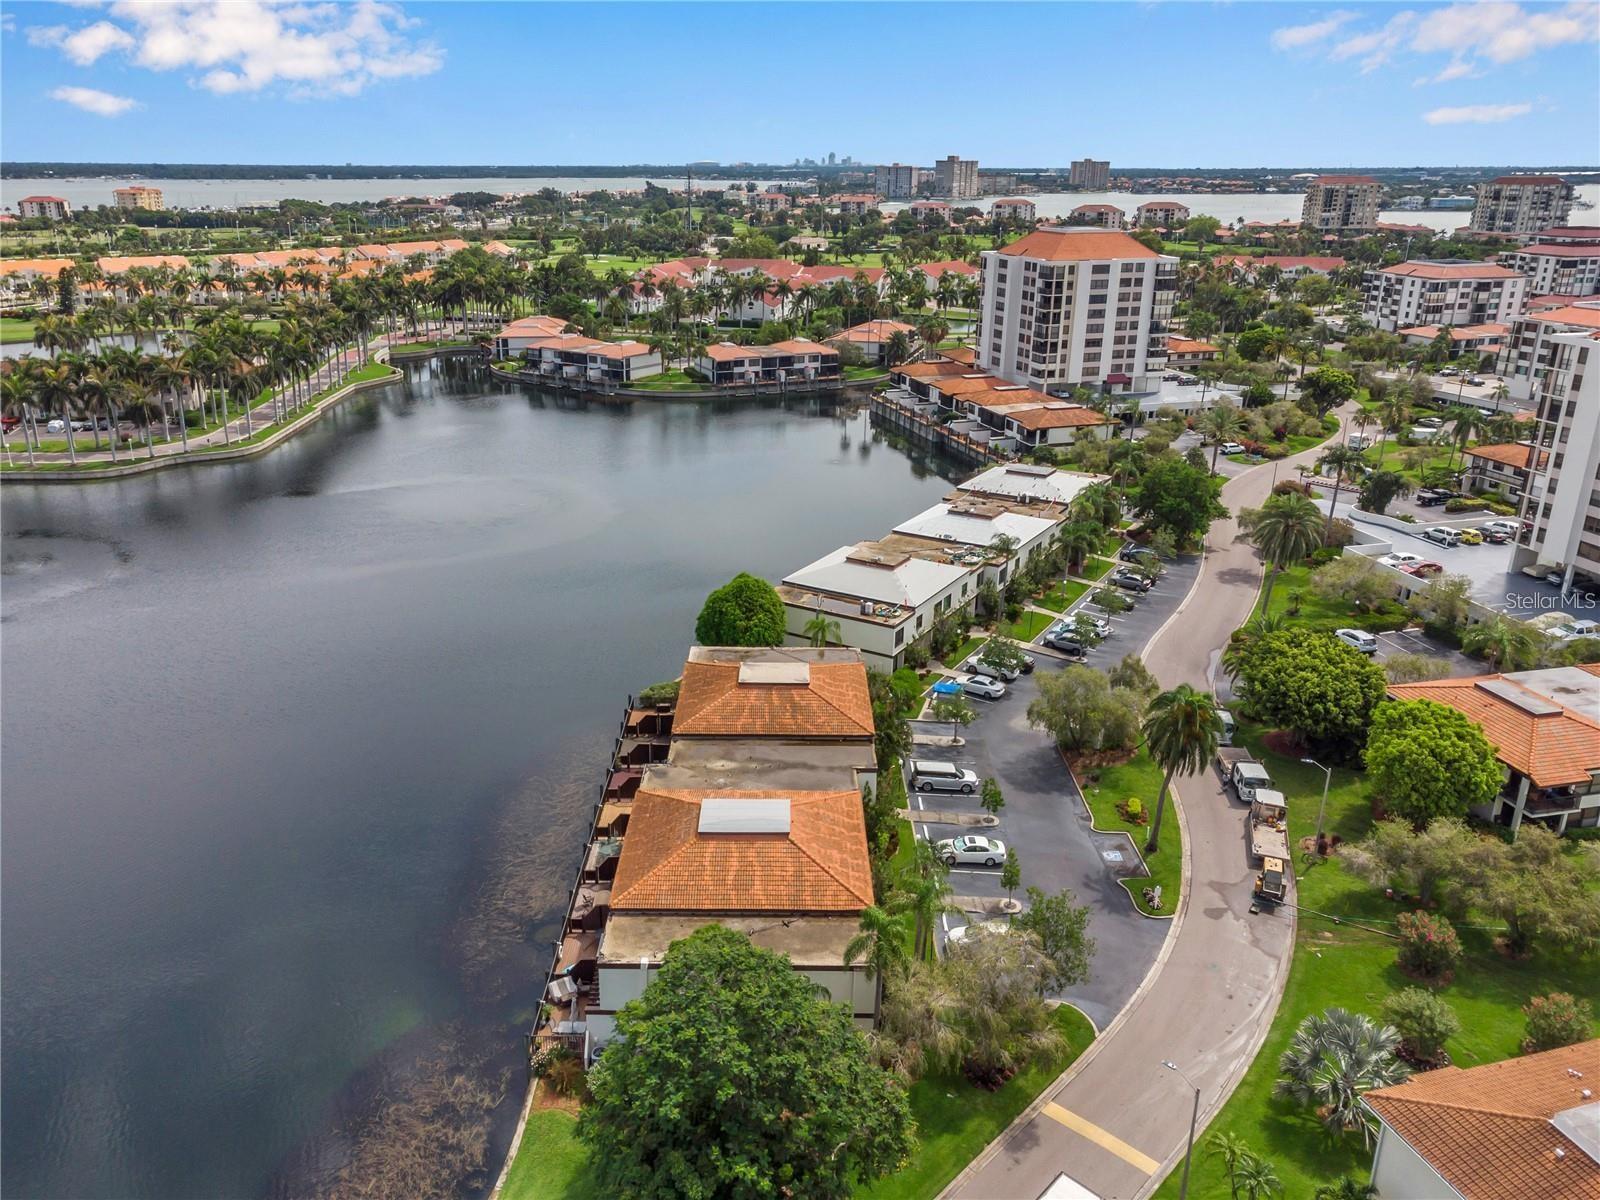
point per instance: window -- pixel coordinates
(899, 636)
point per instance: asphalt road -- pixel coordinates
(1116, 1121)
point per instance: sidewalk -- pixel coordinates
(1117, 1122)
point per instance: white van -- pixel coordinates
(930, 776)
(1225, 738)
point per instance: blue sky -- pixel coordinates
(1173, 84)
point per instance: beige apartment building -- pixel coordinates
(138, 196)
(899, 181)
(1342, 203)
(1443, 292)
(956, 178)
(1563, 499)
(1521, 204)
(1066, 306)
(1089, 173)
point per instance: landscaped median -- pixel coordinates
(1111, 794)
(1345, 956)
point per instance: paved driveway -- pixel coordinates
(1414, 641)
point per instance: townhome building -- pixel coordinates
(1568, 235)
(1068, 306)
(872, 337)
(796, 360)
(1521, 204)
(975, 523)
(1162, 214)
(1442, 292)
(1341, 204)
(1477, 339)
(1023, 212)
(1559, 269)
(1105, 216)
(19, 275)
(1190, 352)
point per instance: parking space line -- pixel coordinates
(1100, 1137)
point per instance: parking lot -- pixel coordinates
(1044, 816)
(1414, 641)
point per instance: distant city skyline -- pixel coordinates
(1373, 85)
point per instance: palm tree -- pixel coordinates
(1346, 1187)
(821, 629)
(923, 891)
(1100, 503)
(1286, 529)
(1077, 540)
(881, 944)
(1233, 1151)
(1334, 1059)
(1180, 728)
(1346, 462)
(1394, 410)
(1221, 423)
(1257, 1178)
(1501, 643)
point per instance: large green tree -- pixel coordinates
(1181, 729)
(745, 611)
(1080, 708)
(1179, 498)
(730, 1078)
(1327, 387)
(1427, 760)
(1309, 682)
(1062, 926)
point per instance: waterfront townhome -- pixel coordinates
(1510, 1130)
(19, 275)
(1558, 269)
(574, 357)
(855, 204)
(1544, 726)
(797, 360)
(1162, 214)
(1030, 485)
(522, 333)
(975, 522)
(884, 600)
(1504, 468)
(931, 212)
(872, 337)
(1022, 212)
(1442, 292)
(1103, 216)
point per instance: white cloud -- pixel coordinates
(1476, 114)
(232, 46)
(92, 100)
(1294, 37)
(1473, 33)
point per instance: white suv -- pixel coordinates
(1357, 639)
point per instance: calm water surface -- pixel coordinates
(297, 754)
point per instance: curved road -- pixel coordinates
(1117, 1121)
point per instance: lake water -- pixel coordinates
(297, 754)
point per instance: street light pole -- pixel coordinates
(1194, 1120)
(1327, 778)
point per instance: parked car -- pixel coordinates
(1430, 422)
(1400, 559)
(1424, 569)
(55, 425)
(1232, 448)
(1132, 552)
(1443, 535)
(1509, 528)
(971, 850)
(1129, 580)
(985, 686)
(1100, 625)
(1448, 371)
(1028, 663)
(1357, 639)
(930, 775)
(1433, 497)
(977, 666)
(1495, 537)
(1576, 628)
(1065, 642)
(1470, 537)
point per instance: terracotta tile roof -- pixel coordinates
(1187, 346)
(970, 384)
(1576, 314)
(1511, 454)
(937, 270)
(1490, 1131)
(1059, 245)
(1561, 250)
(874, 331)
(1011, 202)
(961, 355)
(1056, 415)
(116, 265)
(1285, 262)
(1468, 270)
(728, 352)
(832, 703)
(620, 349)
(1589, 232)
(803, 346)
(934, 369)
(668, 865)
(1552, 748)
(39, 266)
(1098, 208)
(1458, 333)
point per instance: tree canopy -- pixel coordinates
(730, 1078)
(745, 611)
(1426, 760)
(1311, 683)
(1180, 498)
(1082, 711)
(1062, 927)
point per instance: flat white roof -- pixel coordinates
(973, 529)
(774, 672)
(1023, 482)
(738, 815)
(908, 582)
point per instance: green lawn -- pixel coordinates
(15, 329)
(1061, 597)
(1317, 612)
(551, 1163)
(966, 650)
(1337, 964)
(1029, 627)
(673, 380)
(955, 1120)
(864, 372)
(1142, 778)
(1093, 568)
(1394, 457)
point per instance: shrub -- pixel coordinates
(1429, 946)
(1424, 1022)
(1556, 1020)
(1464, 504)
(665, 692)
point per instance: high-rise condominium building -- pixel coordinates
(898, 181)
(1342, 203)
(1426, 292)
(1521, 204)
(138, 196)
(956, 178)
(1068, 306)
(1563, 500)
(1090, 174)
